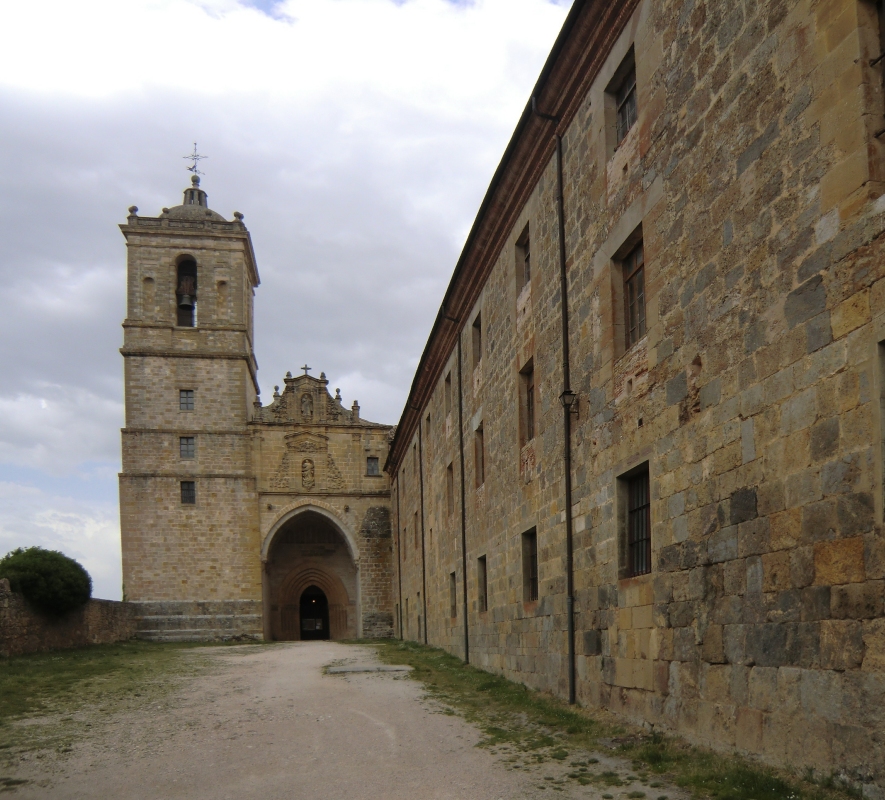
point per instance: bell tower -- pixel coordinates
(188, 501)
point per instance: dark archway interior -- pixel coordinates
(314, 613)
(310, 566)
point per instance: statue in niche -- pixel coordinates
(307, 474)
(306, 406)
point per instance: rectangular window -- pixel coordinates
(530, 565)
(527, 401)
(188, 493)
(633, 267)
(523, 260)
(416, 533)
(415, 459)
(453, 596)
(477, 340)
(187, 446)
(482, 586)
(407, 616)
(450, 489)
(479, 456)
(405, 541)
(625, 98)
(447, 393)
(186, 399)
(372, 466)
(638, 523)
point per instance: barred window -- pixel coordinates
(482, 584)
(638, 524)
(527, 402)
(372, 467)
(187, 446)
(186, 400)
(530, 565)
(453, 595)
(625, 97)
(188, 493)
(634, 294)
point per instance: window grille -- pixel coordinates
(186, 399)
(372, 465)
(638, 525)
(530, 565)
(482, 584)
(187, 446)
(188, 493)
(626, 103)
(634, 294)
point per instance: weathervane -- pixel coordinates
(196, 159)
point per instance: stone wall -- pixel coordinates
(753, 178)
(23, 629)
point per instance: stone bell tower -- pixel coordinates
(188, 503)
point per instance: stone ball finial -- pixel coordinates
(195, 180)
(165, 210)
(338, 395)
(238, 216)
(133, 210)
(288, 374)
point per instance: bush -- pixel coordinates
(49, 580)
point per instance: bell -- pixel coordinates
(185, 301)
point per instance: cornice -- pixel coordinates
(587, 36)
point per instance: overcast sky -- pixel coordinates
(358, 138)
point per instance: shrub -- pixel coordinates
(49, 580)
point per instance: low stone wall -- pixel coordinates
(25, 630)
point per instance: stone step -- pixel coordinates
(198, 635)
(195, 622)
(195, 608)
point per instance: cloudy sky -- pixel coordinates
(357, 137)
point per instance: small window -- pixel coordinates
(479, 456)
(415, 459)
(405, 541)
(447, 393)
(186, 294)
(453, 596)
(523, 260)
(477, 340)
(186, 399)
(527, 401)
(530, 565)
(416, 533)
(450, 489)
(625, 98)
(482, 586)
(188, 493)
(635, 517)
(634, 294)
(187, 446)
(372, 466)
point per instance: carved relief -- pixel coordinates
(307, 407)
(335, 479)
(307, 446)
(280, 479)
(307, 474)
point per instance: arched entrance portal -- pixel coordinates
(310, 569)
(314, 610)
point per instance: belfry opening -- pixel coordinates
(311, 582)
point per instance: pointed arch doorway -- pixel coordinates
(311, 581)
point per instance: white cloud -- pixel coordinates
(88, 532)
(357, 136)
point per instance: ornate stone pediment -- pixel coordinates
(307, 442)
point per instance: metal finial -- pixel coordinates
(196, 159)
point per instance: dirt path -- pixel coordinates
(268, 723)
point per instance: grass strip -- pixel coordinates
(539, 727)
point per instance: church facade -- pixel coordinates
(238, 520)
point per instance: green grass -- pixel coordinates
(537, 727)
(65, 681)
